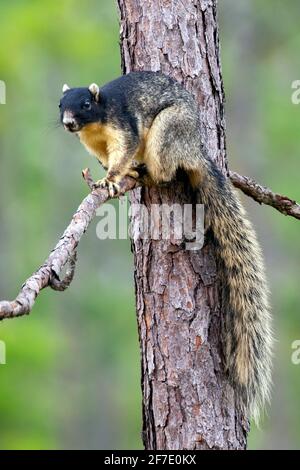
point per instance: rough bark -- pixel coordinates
(187, 400)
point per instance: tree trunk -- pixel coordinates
(187, 400)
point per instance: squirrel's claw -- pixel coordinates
(112, 188)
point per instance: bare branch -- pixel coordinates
(264, 195)
(64, 252)
(60, 285)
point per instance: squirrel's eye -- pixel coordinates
(87, 105)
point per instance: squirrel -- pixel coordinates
(149, 118)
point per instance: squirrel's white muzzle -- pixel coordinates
(69, 122)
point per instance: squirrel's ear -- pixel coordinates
(65, 88)
(94, 89)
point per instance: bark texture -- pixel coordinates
(187, 400)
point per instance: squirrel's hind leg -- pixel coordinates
(172, 143)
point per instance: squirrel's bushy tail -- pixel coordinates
(247, 323)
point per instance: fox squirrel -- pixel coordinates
(151, 119)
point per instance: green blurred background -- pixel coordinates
(72, 373)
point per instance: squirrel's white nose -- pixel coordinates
(69, 121)
(68, 118)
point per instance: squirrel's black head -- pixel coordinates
(79, 106)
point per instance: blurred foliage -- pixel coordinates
(72, 373)
(260, 44)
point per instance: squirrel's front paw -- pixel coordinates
(113, 188)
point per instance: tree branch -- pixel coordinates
(264, 195)
(64, 253)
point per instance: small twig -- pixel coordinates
(264, 195)
(86, 174)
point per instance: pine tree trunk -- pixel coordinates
(187, 400)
